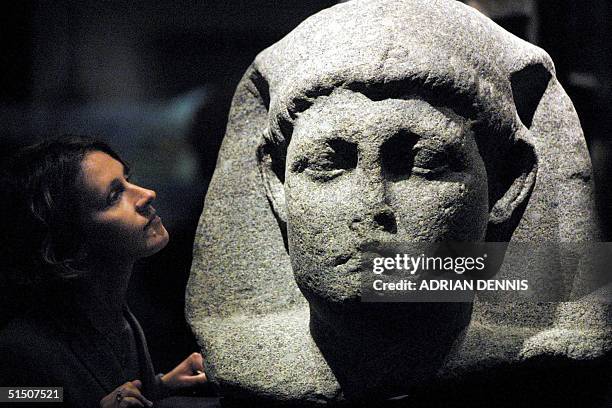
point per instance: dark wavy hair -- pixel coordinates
(41, 210)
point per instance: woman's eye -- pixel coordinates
(114, 197)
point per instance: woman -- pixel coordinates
(76, 225)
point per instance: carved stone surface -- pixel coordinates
(388, 122)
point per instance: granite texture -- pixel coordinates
(377, 123)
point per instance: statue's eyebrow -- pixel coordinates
(437, 93)
(439, 89)
(467, 96)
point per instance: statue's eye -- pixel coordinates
(332, 159)
(403, 155)
(429, 162)
(397, 155)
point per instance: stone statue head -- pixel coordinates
(381, 163)
(372, 124)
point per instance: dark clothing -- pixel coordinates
(64, 349)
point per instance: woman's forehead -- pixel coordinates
(98, 170)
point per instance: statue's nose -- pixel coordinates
(374, 212)
(384, 220)
(380, 219)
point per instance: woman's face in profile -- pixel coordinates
(118, 218)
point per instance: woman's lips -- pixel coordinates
(153, 221)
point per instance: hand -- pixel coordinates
(126, 395)
(188, 373)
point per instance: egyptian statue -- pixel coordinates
(380, 123)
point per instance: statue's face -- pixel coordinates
(383, 173)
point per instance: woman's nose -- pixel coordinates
(145, 199)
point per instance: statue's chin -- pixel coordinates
(336, 295)
(404, 343)
(351, 313)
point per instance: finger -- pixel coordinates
(133, 392)
(194, 379)
(131, 385)
(130, 402)
(197, 362)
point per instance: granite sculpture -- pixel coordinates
(383, 122)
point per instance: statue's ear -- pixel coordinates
(514, 182)
(516, 177)
(271, 165)
(528, 86)
(270, 157)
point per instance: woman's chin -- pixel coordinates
(157, 241)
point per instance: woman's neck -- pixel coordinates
(101, 295)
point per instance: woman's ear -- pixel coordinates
(271, 164)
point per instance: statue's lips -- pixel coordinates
(369, 251)
(350, 264)
(361, 260)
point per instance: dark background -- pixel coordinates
(155, 79)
